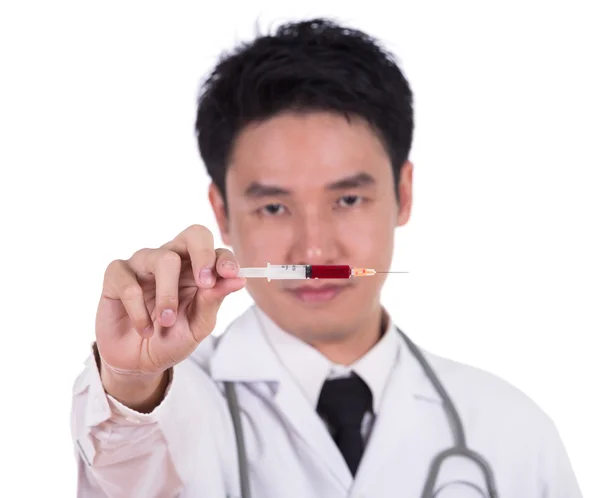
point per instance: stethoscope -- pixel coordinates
(459, 449)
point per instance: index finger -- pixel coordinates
(196, 243)
(226, 265)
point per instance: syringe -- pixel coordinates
(303, 272)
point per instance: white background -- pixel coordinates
(98, 159)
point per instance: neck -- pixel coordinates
(351, 347)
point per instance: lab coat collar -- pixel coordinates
(295, 355)
(243, 354)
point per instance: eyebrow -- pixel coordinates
(354, 181)
(257, 190)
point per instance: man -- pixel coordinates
(313, 392)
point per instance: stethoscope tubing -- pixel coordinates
(458, 433)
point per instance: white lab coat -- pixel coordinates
(186, 447)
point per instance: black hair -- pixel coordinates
(312, 65)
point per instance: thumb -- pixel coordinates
(204, 309)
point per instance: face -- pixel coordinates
(313, 189)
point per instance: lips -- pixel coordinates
(317, 294)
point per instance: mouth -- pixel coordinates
(317, 293)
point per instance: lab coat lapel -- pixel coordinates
(309, 426)
(244, 355)
(407, 429)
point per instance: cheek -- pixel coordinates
(369, 238)
(256, 244)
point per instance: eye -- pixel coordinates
(349, 201)
(272, 210)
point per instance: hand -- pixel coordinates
(157, 306)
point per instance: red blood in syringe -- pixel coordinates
(328, 271)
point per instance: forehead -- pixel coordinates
(309, 149)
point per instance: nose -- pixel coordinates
(315, 241)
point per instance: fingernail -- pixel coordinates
(229, 265)
(148, 331)
(206, 276)
(168, 317)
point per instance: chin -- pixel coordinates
(319, 329)
(321, 317)
(319, 310)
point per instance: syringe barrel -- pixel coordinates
(276, 272)
(286, 272)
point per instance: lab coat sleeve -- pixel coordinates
(122, 453)
(559, 480)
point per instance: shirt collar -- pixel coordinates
(309, 368)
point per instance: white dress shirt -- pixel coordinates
(310, 368)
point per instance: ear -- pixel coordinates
(405, 193)
(218, 205)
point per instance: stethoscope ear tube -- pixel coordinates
(460, 445)
(234, 408)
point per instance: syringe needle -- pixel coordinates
(367, 272)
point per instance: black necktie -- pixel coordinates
(343, 404)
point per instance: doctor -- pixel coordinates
(313, 391)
